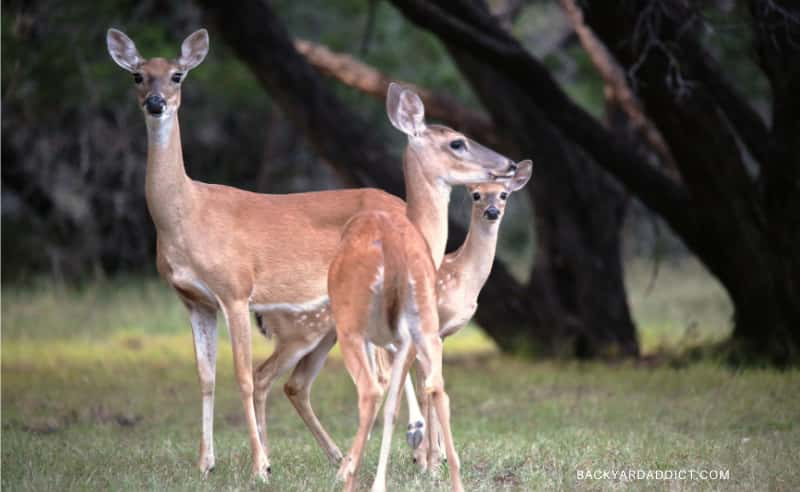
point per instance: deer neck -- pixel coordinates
(475, 257)
(167, 188)
(426, 201)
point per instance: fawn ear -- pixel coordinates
(405, 110)
(123, 51)
(522, 176)
(194, 50)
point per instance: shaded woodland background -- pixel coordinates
(667, 127)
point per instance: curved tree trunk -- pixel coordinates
(575, 300)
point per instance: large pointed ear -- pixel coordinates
(123, 51)
(522, 176)
(405, 110)
(194, 50)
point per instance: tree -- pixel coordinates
(744, 226)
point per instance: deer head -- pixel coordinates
(489, 199)
(448, 155)
(158, 80)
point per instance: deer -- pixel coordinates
(382, 281)
(459, 281)
(230, 250)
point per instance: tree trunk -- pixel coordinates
(576, 298)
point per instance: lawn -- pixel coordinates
(99, 392)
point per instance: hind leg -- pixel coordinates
(298, 390)
(399, 371)
(369, 395)
(285, 355)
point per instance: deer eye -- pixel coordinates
(457, 144)
(476, 196)
(503, 195)
(137, 78)
(176, 77)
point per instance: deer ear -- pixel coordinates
(522, 176)
(194, 50)
(405, 110)
(123, 51)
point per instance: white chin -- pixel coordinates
(162, 116)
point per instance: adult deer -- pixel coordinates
(459, 281)
(226, 249)
(382, 282)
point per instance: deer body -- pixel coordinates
(225, 249)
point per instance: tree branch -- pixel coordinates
(362, 77)
(618, 88)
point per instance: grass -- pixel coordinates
(99, 392)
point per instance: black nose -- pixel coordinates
(491, 213)
(155, 104)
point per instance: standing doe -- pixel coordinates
(230, 250)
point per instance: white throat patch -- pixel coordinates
(159, 128)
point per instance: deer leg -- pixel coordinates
(430, 348)
(369, 394)
(399, 372)
(298, 389)
(285, 356)
(416, 423)
(204, 333)
(238, 317)
(420, 453)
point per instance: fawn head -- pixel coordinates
(449, 156)
(489, 199)
(157, 80)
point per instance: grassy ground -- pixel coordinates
(99, 392)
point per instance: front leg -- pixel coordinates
(238, 317)
(204, 332)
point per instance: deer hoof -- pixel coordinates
(345, 470)
(262, 474)
(415, 433)
(206, 465)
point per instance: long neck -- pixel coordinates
(426, 202)
(475, 257)
(167, 188)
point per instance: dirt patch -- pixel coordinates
(49, 424)
(133, 343)
(507, 478)
(102, 414)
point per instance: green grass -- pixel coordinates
(680, 308)
(99, 391)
